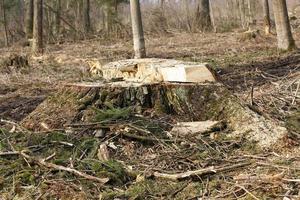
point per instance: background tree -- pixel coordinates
(57, 17)
(267, 18)
(137, 29)
(285, 39)
(86, 16)
(4, 18)
(29, 19)
(188, 17)
(37, 40)
(203, 16)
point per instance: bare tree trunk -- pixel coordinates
(79, 15)
(203, 16)
(188, 17)
(116, 5)
(137, 29)
(108, 20)
(212, 16)
(86, 16)
(29, 19)
(285, 39)
(267, 19)
(37, 42)
(250, 17)
(20, 14)
(4, 23)
(57, 17)
(162, 4)
(242, 13)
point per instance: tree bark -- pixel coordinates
(137, 29)
(162, 4)
(285, 39)
(29, 19)
(37, 42)
(57, 17)
(188, 17)
(250, 17)
(86, 16)
(212, 16)
(203, 16)
(242, 13)
(4, 23)
(20, 13)
(267, 19)
(79, 17)
(107, 18)
(185, 102)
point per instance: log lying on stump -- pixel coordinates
(75, 103)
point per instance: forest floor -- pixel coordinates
(248, 67)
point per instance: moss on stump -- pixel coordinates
(76, 103)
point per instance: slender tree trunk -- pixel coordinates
(267, 19)
(212, 16)
(37, 42)
(188, 17)
(162, 4)
(285, 39)
(4, 23)
(107, 20)
(242, 12)
(250, 17)
(86, 16)
(137, 29)
(79, 15)
(57, 17)
(20, 14)
(29, 19)
(116, 5)
(203, 16)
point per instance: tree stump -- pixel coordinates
(13, 63)
(75, 103)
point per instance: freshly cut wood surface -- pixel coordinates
(153, 70)
(187, 73)
(188, 128)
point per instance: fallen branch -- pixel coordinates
(42, 162)
(14, 124)
(139, 129)
(188, 174)
(197, 173)
(144, 138)
(11, 153)
(98, 124)
(248, 192)
(63, 143)
(278, 166)
(292, 180)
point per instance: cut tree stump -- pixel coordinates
(153, 70)
(13, 63)
(74, 103)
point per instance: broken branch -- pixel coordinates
(197, 173)
(42, 162)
